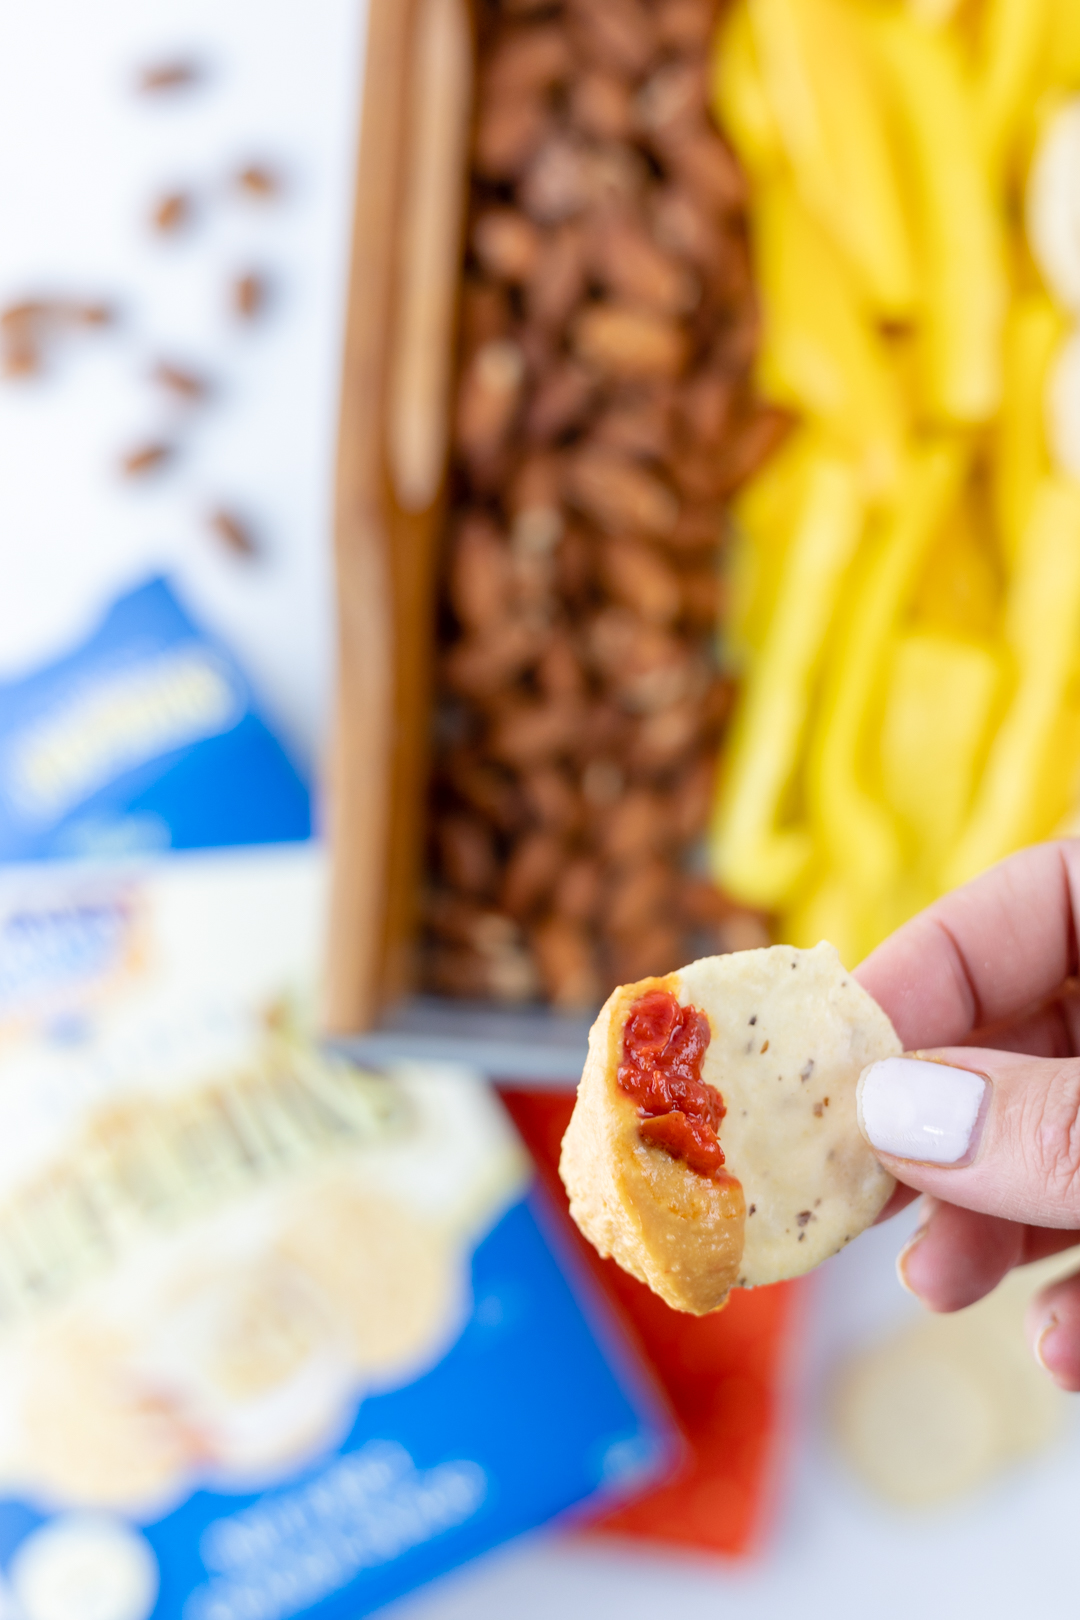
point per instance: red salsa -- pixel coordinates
(664, 1046)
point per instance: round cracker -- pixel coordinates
(791, 1033)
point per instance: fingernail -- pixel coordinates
(905, 1255)
(915, 1109)
(1040, 1343)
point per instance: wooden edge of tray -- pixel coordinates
(393, 432)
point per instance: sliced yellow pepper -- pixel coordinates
(763, 517)
(1043, 634)
(855, 830)
(960, 590)
(755, 857)
(965, 286)
(738, 97)
(939, 704)
(1062, 63)
(1020, 459)
(1013, 46)
(820, 82)
(819, 352)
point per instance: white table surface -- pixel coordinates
(834, 1551)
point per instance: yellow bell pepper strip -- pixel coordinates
(819, 79)
(763, 518)
(960, 591)
(738, 99)
(753, 856)
(856, 832)
(831, 910)
(819, 353)
(1032, 334)
(1013, 46)
(936, 13)
(1061, 69)
(938, 708)
(965, 286)
(1042, 630)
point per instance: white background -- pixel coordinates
(83, 157)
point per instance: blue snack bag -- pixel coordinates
(278, 1336)
(145, 737)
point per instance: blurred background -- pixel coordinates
(500, 499)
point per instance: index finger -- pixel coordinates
(985, 952)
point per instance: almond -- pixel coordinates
(557, 281)
(638, 577)
(665, 738)
(561, 401)
(527, 733)
(566, 962)
(629, 343)
(530, 873)
(601, 106)
(506, 244)
(509, 131)
(467, 854)
(633, 268)
(638, 898)
(481, 667)
(685, 25)
(481, 576)
(525, 62)
(577, 892)
(617, 35)
(550, 797)
(618, 494)
(633, 827)
(656, 951)
(488, 399)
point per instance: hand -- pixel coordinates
(983, 983)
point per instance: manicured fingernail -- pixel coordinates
(905, 1255)
(914, 1109)
(1048, 1328)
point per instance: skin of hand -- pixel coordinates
(985, 1123)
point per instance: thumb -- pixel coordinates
(989, 1131)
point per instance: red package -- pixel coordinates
(722, 1376)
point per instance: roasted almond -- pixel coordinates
(619, 494)
(617, 35)
(529, 876)
(488, 399)
(565, 959)
(635, 575)
(467, 854)
(481, 574)
(506, 244)
(601, 105)
(624, 342)
(527, 733)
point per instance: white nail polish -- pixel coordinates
(919, 1110)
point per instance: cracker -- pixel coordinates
(791, 1032)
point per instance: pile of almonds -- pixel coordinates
(604, 415)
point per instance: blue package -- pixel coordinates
(278, 1337)
(144, 738)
